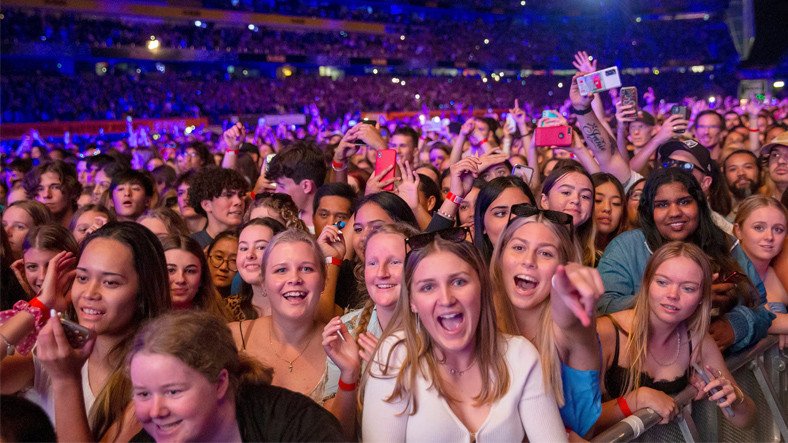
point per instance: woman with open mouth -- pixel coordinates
(543, 293)
(443, 371)
(291, 340)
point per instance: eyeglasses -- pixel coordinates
(776, 154)
(454, 235)
(529, 210)
(684, 166)
(218, 261)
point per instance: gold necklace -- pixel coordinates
(675, 358)
(453, 371)
(289, 362)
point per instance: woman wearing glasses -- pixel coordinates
(222, 253)
(443, 370)
(542, 293)
(673, 207)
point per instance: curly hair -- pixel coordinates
(209, 183)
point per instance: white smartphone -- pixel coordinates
(524, 172)
(599, 81)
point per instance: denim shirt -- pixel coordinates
(622, 267)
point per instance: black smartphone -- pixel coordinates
(76, 334)
(682, 111)
(365, 121)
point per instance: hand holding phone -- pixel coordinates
(629, 97)
(524, 172)
(76, 334)
(727, 410)
(384, 159)
(560, 136)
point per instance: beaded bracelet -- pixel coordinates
(26, 344)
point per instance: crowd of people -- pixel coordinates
(394, 280)
(495, 44)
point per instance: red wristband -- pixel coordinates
(231, 151)
(36, 303)
(754, 129)
(456, 199)
(483, 141)
(336, 261)
(347, 386)
(338, 166)
(622, 404)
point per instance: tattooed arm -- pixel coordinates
(597, 138)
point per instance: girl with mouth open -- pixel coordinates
(542, 292)
(443, 370)
(648, 351)
(291, 340)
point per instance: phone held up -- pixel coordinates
(384, 159)
(524, 172)
(365, 121)
(682, 111)
(629, 96)
(558, 136)
(76, 334)
(599, 81)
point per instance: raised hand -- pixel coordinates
(234, 136)
(331, 242)
(625, 113)
(408, 187)
(18, 266)
(375, 184)
(344, 351)
(579, 102)
(367, 344)
(57, 280)
(579, 287)
(467, 127)
(57, 357)
(582, 63)
(519, 117)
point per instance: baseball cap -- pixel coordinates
(780, 140)
(697, 150)
(645, 118)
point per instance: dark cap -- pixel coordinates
(646, 118)
(697, 150)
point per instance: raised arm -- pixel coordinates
(673, 126)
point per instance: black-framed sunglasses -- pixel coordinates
(684, 166)
(454, 235)
(529, 210)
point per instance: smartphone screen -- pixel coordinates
(524, 172)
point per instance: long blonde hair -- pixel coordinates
(420, 359)
(753, 203)
(568, 251)
(697, 323)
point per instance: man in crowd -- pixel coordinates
(54, 183)
(743, 176)
(333, 203)
(131, 193)
(298, 171)
(218, 195)
(709, 126)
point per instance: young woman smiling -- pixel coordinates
(542, 293)
(443, 370)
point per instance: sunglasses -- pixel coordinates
(529, 210)
(454, 235)
(684, 166)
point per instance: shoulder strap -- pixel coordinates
(248, 332)
(619, 329)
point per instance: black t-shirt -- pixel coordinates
(271, 413)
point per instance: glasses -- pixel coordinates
(684, 166)
(529, 210)
(454, 235)
(218, 261)
(776, 154)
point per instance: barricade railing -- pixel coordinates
(760, 372)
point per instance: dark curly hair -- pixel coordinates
(67, 174)
(208, 183)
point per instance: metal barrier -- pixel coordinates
(758, 372)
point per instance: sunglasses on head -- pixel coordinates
(454, 235)
(529, 210)
(684, 166)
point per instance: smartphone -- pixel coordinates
(629, 96)
(682, 111)
(76, 334)
(384, 159)
(549, 113)
(365, 121)
(268, 159)
(524, 172)
(732, 277)
(559, 136)
(705, 377)
(599, 81)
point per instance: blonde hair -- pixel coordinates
(420, 359)
(402, 229)
(697, 323)
(753, 203)
(568, 251)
